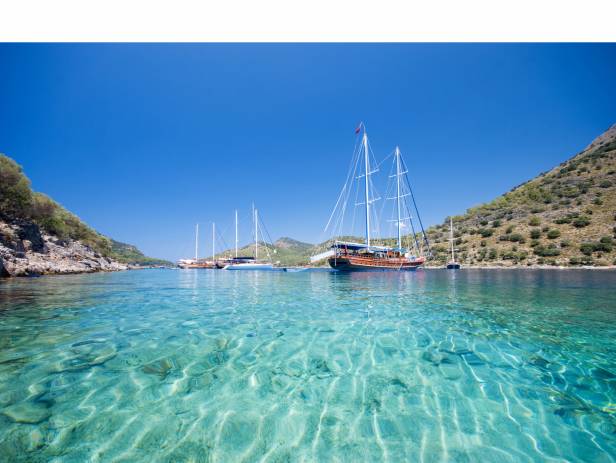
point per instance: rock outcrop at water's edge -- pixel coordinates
(39, 236)
(27, 251)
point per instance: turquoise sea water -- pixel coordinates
(203, 365)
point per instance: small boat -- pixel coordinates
(196, 262)
(351, 256)
(249, 266)
(452, 264)
(248, 263)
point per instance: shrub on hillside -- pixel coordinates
(535, 233)
(516, 238)
(603, 247)
(485, 232)
(587, 248)
(600, 246)
(553, 234)
(581, 221)
(581, 261)
(534, 221)
(546, 251)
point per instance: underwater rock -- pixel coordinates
(540, 362)
(88, 355)
(319, 368)
(600, 373)
(473, 359)
(160, 368)
(398, 385)
(435, 357)
(27, 412)
(215, 359)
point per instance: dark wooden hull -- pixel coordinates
(372, 264)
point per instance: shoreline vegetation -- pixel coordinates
(563, 218)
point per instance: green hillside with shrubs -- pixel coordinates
(564, 217)
(20, 204)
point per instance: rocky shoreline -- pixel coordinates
(26, 251)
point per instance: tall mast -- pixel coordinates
(236, 236)
(367, 183)
(453, 259)
(256, 218)
(398, 194)
(213, 240)
(197, 242)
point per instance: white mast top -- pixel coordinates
(197, 242)
(398, 195)
(236, 236)
(367, 185)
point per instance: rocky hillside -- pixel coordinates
(39, 236)
(564, 217)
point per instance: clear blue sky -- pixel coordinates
(142, 141)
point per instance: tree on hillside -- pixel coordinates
(15, 191)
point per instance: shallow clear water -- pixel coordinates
(201, 365)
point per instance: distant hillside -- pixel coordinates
(564, 217)
(37, 235)
(129, 254)
(287, 251)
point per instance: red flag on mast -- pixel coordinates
(358, 129)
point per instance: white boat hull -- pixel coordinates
(249, 266)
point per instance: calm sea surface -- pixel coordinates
(202, 365)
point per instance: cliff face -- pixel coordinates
(26, 251)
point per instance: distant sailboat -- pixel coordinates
(196, 262)
(452, 264)
(249, 263)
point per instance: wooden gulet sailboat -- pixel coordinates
(349, 256)
(196, 262)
